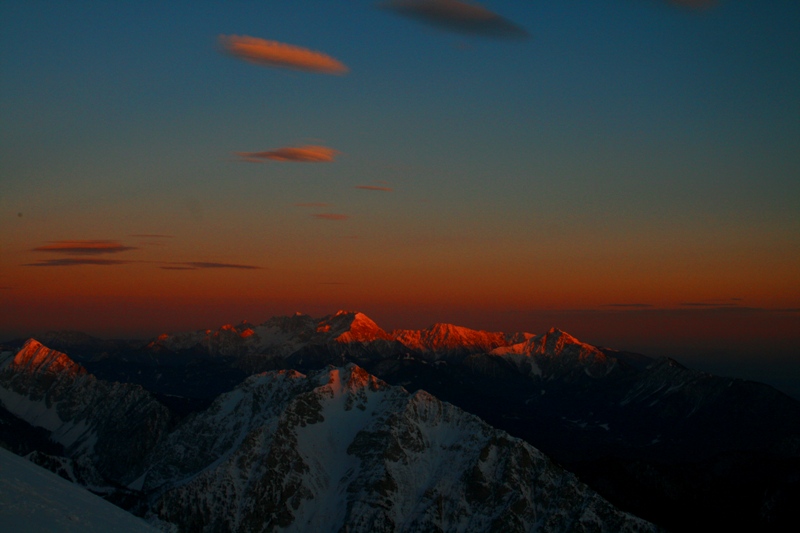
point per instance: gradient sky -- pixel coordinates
(628, 170)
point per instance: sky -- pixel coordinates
(626, 170)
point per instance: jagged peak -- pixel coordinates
(443, 335)
(34, 357)
(351, 326)
(30, 344)
(553, 343)
(560, 336)
(351, 378)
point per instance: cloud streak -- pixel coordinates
(75, 261)
(311, 204)
(280, 55)
(709, 304)
(454, 15)
(373, 188)
(201, 265)
(298, 154)
(331, 216)
(84, 247)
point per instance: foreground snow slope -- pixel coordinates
(34, 499)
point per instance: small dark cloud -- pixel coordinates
(6, 288)
(708, 304)
(374, 188)
(84, 247)
(298, 154)
(201, 264)
(74, 261)
(331, 216)
(458, 16)
(629, 306)
(312, 204)
(152, 236)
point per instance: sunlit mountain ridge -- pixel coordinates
(640, 430)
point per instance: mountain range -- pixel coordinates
(335, 424)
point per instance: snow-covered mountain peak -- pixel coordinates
(350, 326)
(444, 339)
(555, 340)
(319, 457)
(351, 378)
(34, 357)
(557, 351)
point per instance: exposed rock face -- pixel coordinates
(113, 425)
(650, 434)
(340, 450)
(278, 337)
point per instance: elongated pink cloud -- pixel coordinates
(311, 204)
(299, 154)
(84, 247)
(152, 236)
(455, 15)
(331, 216)
(374, 188)
(280, 55)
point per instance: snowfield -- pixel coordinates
(34, 499)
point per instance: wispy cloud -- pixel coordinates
(311, 204)
(331, 216)
(199, 265)
(298, 154)
(708, 304)
(629, 305)
(152, 236)
(84, 247)
(75, 261)
(458, 16)
(280, 55)
(374, 188)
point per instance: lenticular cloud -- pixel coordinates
(84, 247)
(455, 15)
(280, 55)
(298, 154)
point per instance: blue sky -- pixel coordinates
(626, 152)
